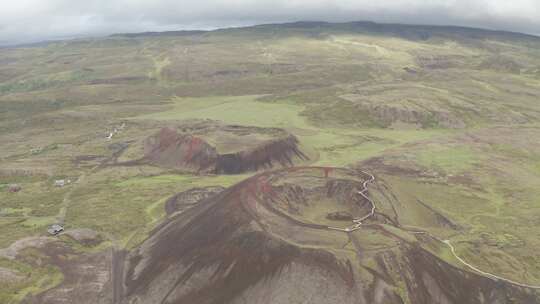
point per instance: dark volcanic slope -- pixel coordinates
(281, 151)
(260, 242)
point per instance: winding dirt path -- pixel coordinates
(358, 223)
(66, 201)
(118, 254)
(487, 274)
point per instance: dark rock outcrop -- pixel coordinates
(339, 216)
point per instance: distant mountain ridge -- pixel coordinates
(408, 31)
(418, 31)
(166, 33)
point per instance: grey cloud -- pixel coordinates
(32, 20)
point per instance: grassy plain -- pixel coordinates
(335, 146)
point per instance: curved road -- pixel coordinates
(357, 223)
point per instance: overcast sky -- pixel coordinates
(35, 20)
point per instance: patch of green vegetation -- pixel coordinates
(15, 212)
(342, 147)
(41, 150)
(160, 63)
(342, 114)
(493, 199)
(131, 208)
(239, 110)
(497, 261)
(116, 212)
(404, 235)
(451, 160)
(6, 179)
(81, 247)
(457, 202)
(337, 149)
(184, 180)
(37, 222)
(32, 279)
(13, 229)
(29, 211)
(43, 200)
(45, 82)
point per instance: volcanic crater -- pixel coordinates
(267, 240)
(209, 147)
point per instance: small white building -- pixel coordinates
(55, 229)
(60, 182)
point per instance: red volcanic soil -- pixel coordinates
(246, 245)
(170, 149)
(167, 148)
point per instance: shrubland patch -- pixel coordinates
(34, 278)
(133, 205)
(450, 160)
